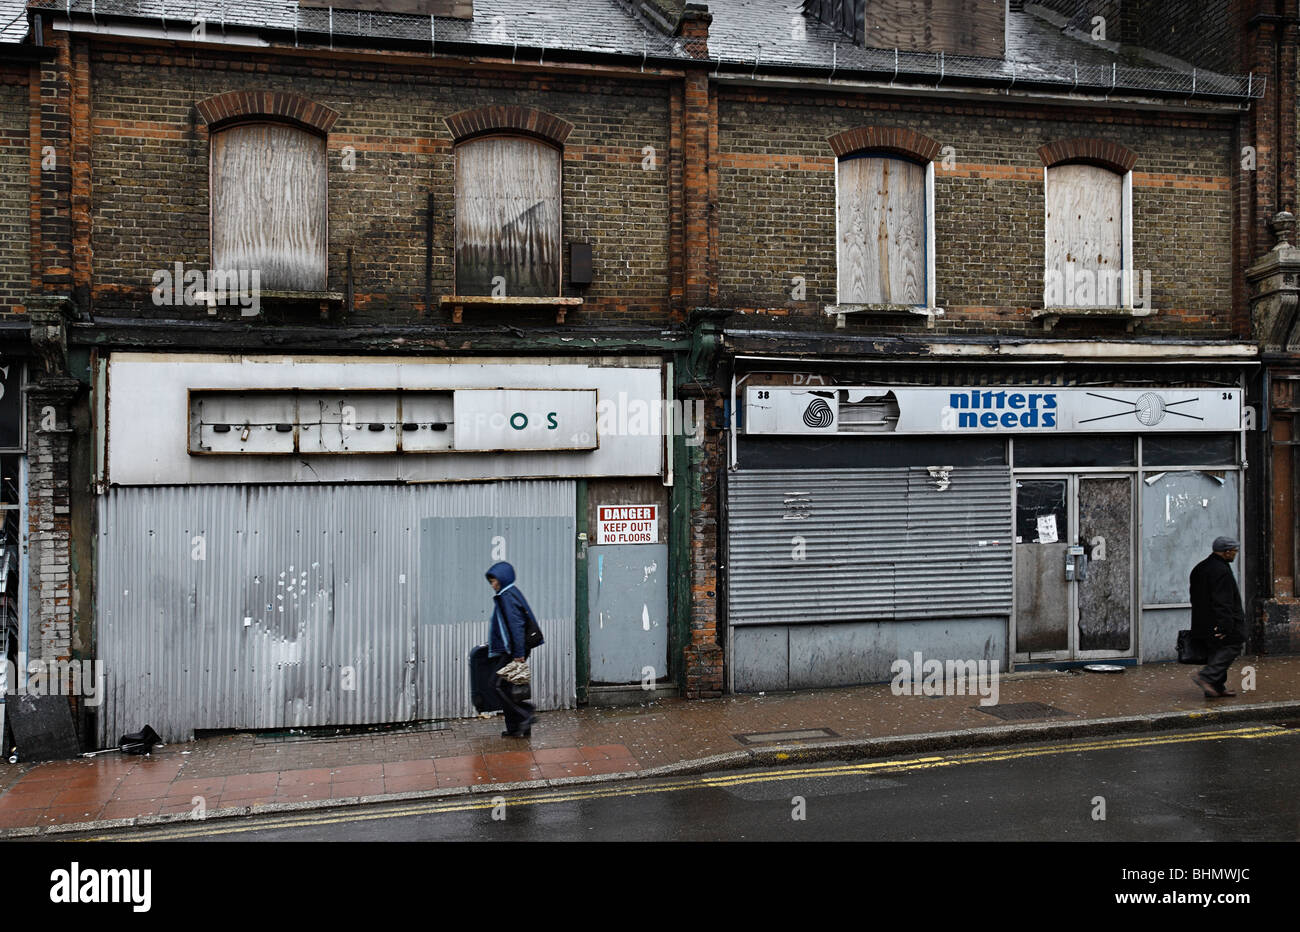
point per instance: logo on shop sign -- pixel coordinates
(818, 415)
(1149, 408)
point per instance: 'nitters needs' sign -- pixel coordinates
(1036, 409)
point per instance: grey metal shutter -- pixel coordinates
(876, 544)
(241, 606)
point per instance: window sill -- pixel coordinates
(458, 303)
(1051, 316)
(839, 311)
(327, 301)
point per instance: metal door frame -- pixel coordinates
(1072, 477)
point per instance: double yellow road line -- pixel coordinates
(484, 800)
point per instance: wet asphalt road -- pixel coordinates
(1233, 783)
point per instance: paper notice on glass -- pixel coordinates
(1047, 529)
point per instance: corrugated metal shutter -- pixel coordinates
(876, 544)
(327, 577)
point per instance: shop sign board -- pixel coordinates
(525, 419)
(989, 410)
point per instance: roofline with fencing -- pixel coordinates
(936, 69)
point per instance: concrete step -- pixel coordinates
(629, 694)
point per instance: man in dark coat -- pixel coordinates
(1217, 616)
(506, 642)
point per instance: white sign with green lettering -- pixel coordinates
(525, 419)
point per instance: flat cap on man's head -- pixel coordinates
(1224, 544)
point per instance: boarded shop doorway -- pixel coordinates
(627, 587)
(1074, 567)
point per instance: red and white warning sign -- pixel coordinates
(627, 524)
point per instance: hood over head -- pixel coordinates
(503, 573)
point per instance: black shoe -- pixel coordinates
(514, 734)
(1211, 691)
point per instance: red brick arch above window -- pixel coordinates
(895, 139)
(508, 119)
(266, 105)
(1095, 151)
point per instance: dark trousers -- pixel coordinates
(518, 715)
(1220, 656)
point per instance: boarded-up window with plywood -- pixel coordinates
(1085, 236)
(881, 231)
(507, 217)
(269, 205)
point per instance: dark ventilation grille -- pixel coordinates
(844, 16)
(1017, 6)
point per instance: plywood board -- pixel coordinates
(882, 231)
(507, 217)
(1106, 592)
(269, 205)
(1084, 234)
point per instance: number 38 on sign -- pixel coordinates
(627, 524)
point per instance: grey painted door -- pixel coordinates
(627, 587)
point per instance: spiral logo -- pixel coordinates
(818, 414)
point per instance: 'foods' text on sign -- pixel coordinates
(627, 524)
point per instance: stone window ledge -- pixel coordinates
(1132, 316)
(841, 311)
(327, 301)
(458, 303)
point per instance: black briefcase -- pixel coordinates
(1191, 649)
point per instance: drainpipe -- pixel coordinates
(693, 379)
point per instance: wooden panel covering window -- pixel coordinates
(508, 217)
(1085, 236)
(882, 231)
(269, 205)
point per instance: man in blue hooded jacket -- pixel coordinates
(506, 642)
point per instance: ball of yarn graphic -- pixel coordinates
(1150, 409)
(818, 414)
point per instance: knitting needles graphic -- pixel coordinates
(1150, 404)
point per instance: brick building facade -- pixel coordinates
(703, 154)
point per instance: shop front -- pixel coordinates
(1017, 516)
(301, 541)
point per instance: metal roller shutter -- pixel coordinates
(816, 546)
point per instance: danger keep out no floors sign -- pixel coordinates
(627, 524)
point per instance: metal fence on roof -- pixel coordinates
(533, 36)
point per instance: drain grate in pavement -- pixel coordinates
(771, 737)
(1019, 711)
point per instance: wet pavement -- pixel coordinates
(1148, 788)
(242, 773)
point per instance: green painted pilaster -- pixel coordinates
(582, 639)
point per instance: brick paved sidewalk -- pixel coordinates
(247, 772)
